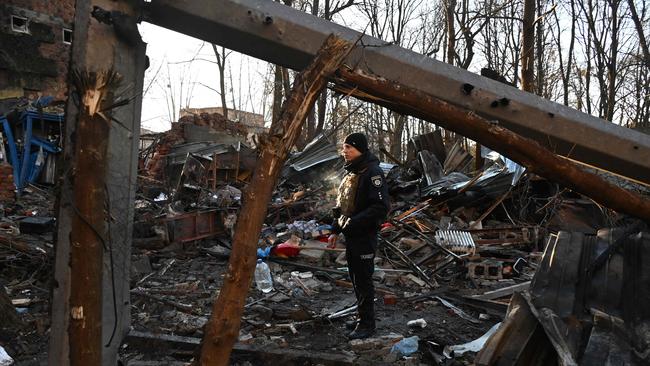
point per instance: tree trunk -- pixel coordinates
(588, 71)
(639, 29)
(222, 329)
(538, 55)
(277, 94)
(396, 136)
(612, 70)
(524, 151)
(528, 47)
(566, 69)
(221, 64)
(322, 110)
(450, 7)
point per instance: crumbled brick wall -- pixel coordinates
(215, 121)
(35, 63)
(156, 165)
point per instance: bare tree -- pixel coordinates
(178, 89)
(603, 23)
(638, 24)
(221, 56)
(565, 65)
(527, 46)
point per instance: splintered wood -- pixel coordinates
(222, 329)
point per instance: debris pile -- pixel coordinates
(471, 266)
(30, 136)
(455, 248)
(26, 259)
(594, 312)
(207, 136)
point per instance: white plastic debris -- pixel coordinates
(5, 359)
(161, 197)
(473, 346)
(417, 323)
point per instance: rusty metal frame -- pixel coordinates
(192, 226)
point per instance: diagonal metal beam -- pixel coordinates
(279, 34)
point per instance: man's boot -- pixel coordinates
(352, 324)
(363, 330)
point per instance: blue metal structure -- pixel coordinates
(24, 161)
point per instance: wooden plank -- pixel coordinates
(222, 328)
(285, 356)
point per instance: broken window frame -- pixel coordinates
(63, 35)
(19, 29)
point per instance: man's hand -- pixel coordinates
(331, 241)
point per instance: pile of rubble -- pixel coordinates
(456, 248)
(472, 266)
(26, 259)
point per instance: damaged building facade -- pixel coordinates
(508, 264)
(36, 38)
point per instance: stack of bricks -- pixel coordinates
(7, 188)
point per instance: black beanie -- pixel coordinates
(358, 140)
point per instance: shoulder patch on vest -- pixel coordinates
(376, 181)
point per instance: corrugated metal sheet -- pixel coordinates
(457, 241)
(318, 151)
(178, 153)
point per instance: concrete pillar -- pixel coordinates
(98, 46)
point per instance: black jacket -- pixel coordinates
(371, 199)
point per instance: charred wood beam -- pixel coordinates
(222, 329)
(185, 308)
(307, 267)
(527, 152)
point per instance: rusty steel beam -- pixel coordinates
(287, 37)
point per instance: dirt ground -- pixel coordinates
(195, 278)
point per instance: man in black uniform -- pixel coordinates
(362, 205)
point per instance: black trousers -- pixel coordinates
(361, 266)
